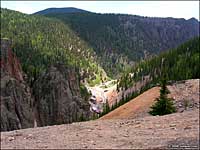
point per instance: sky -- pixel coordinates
(176, 9)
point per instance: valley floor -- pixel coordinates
(176, 130)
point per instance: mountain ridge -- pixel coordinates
(49, 41)
(61, 10)
(75, 9)
(121, 40)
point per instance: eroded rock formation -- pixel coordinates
(16, 101)
(57, 97)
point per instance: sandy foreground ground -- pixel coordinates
(179, 130)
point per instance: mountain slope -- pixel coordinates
(183, 92)
(135, 107)
(39, 41)
(48, 51)
(122, 40)
(16, 100)
(178, 64)
(56, 97)
(61, 10)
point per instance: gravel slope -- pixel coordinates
(179, 129)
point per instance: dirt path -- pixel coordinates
(177, 130)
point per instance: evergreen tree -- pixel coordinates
(82, 118)
(163, 105)
(107, 107)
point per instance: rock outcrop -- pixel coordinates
(57, 97)
(16, 101)
(9, 61)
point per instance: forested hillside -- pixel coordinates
(177, 64)
(39, 41)
(90, 41)
(121, 40)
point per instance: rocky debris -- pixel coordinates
(185, 94)
(16, 101)
(11, 138)
(154, 132)
(57, 97)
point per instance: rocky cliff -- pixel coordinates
(16, 101)
(9, 62)
(57, 97)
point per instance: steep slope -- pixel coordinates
(121, 40)
(39, 41)
(138, 106)
(9, 62)
(181, 63)
(169, 131)
(58, 98)
(178, 64)
(16, 100)
(185, 94)
(61, 10)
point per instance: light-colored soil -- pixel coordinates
(175, 130)
(138, 107)
(186, 94)
(183, 92)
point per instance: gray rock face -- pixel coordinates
(57, 97)
(16, 105)
(16, 101)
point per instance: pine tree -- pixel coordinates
(163, 105)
